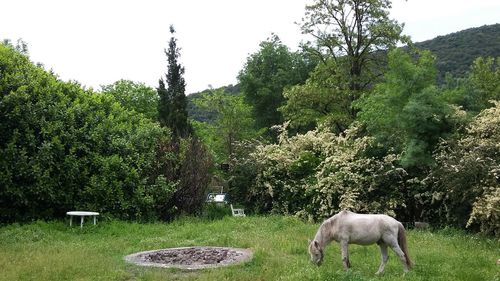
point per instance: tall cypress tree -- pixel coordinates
(172, 107)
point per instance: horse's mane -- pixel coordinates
(326, 230)
(324, 233)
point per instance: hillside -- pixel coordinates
(201, 115)
(456, 51)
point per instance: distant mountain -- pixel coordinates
(202, 115)
(456, 51)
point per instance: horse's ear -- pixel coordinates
(316, 244)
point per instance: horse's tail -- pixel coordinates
(404, 245)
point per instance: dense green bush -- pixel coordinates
(187, 165)
(242, 174)
(64, 148)
(214, 211)
(194, 176)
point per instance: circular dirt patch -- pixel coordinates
(191, 257)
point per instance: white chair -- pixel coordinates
(238, 212)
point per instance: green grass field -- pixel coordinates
(54, 251)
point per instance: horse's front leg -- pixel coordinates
(344, 247)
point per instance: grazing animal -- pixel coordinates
(350, 228)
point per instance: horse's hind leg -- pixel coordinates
(395, 246)
(344, 247)
(384, 258)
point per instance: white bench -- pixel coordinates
(237, 212)
(81, 214)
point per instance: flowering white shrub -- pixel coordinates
(317, 174)
(485, 134)
(466, 179)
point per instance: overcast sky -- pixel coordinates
(98, 42)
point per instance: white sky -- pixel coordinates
(98, 42)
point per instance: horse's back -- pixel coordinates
(366, 228)
(356, 218)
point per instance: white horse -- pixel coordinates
(351, 228)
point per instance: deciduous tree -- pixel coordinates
(406, 112)
(320, 100)
(264, 76)
(135, 96)
(485, 81)
(233, 122)
(353, 33)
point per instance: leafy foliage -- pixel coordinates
(232, 122)
(475, 92)
(264, 76)
(405, 112)
(242, 175)
(64, 148)
(349, 37)
(352, 28)
(322, 99)
(203, 114)
(484, 79)
(352, 33)
(135, 96)
(187, 166)
(194, 177)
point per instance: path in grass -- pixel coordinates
(53, 251)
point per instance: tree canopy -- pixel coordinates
(233, 122)
(352, 31)
(406, 112)
(351, 38)
(264, 76)
(135, 96)
(322, 99)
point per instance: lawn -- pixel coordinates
(54, 251)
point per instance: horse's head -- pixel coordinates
(316, 252)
